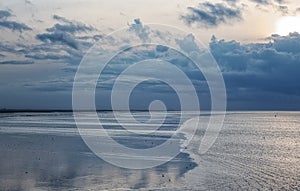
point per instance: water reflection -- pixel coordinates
(55, 162)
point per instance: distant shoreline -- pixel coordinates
(57, 110)
(66, 111)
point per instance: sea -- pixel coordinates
(254, 150)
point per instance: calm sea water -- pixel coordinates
(254, 151)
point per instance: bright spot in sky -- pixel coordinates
(285, 25)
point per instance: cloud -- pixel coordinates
(69, 26)
(211, 15)
(4, 14)
(60, 18)
(269, 2)
(63, 48)
(280, 1)
(49, 56)
(252, 71)
(188, 43)
(68, 33)
(57, 85)
(278, 5)
(12, 25)
(232, 2)
(9, 48)
(284, 10)
(27, 2)
(140, 30)
(262, 2)
(58, 37)
(16, 62)
(43, 51)
(52, 52)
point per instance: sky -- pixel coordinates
(256, 44)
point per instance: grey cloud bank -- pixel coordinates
(261, 75)
(257, 75)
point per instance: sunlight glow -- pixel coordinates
(286, 25)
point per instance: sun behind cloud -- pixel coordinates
(288, 24)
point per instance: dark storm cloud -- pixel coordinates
(252, 71)
(212, 15)
(16, 62)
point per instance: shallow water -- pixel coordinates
(254, 150)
